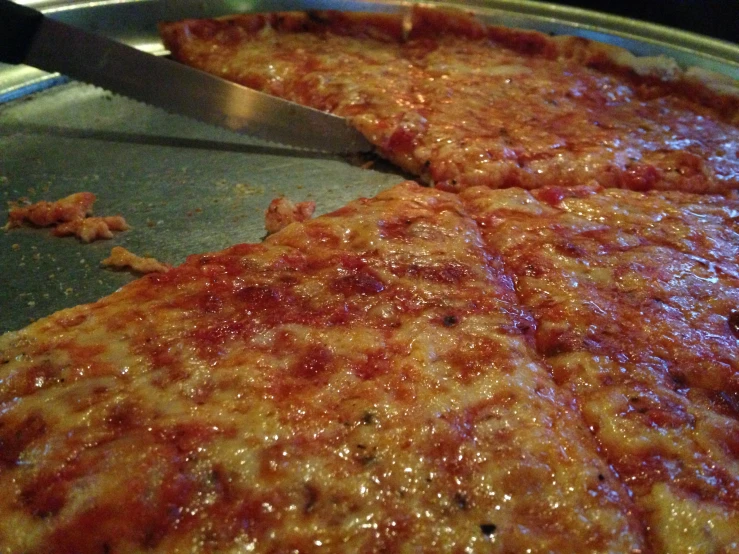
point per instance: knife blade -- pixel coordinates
(29, 37)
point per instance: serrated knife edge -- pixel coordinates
(122, 69)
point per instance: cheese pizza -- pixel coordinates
(635, 300)
(527, 358)
(461, 104)
(498, 371)
(363, 382)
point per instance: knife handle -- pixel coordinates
(18, 26)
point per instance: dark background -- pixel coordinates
(716, 18)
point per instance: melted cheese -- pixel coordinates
(634, 297)
(461, 104)
(365, 381)
(686, 526)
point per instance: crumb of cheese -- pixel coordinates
(122, 258)
(44, 214)
(69, 216)
(92, 228)
(282, 212)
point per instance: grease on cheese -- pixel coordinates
(415, 371)
(462, 104)
(633, 296)
(365, 381)
(690, 527)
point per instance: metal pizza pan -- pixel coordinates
(186, 187)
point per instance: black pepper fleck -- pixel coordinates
(311, 498)
(450, 320)
(734, 323)
(488, 529)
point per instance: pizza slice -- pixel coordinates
(462, 104)
(365, 381)
(635, 300)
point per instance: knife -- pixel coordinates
(29, 37)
